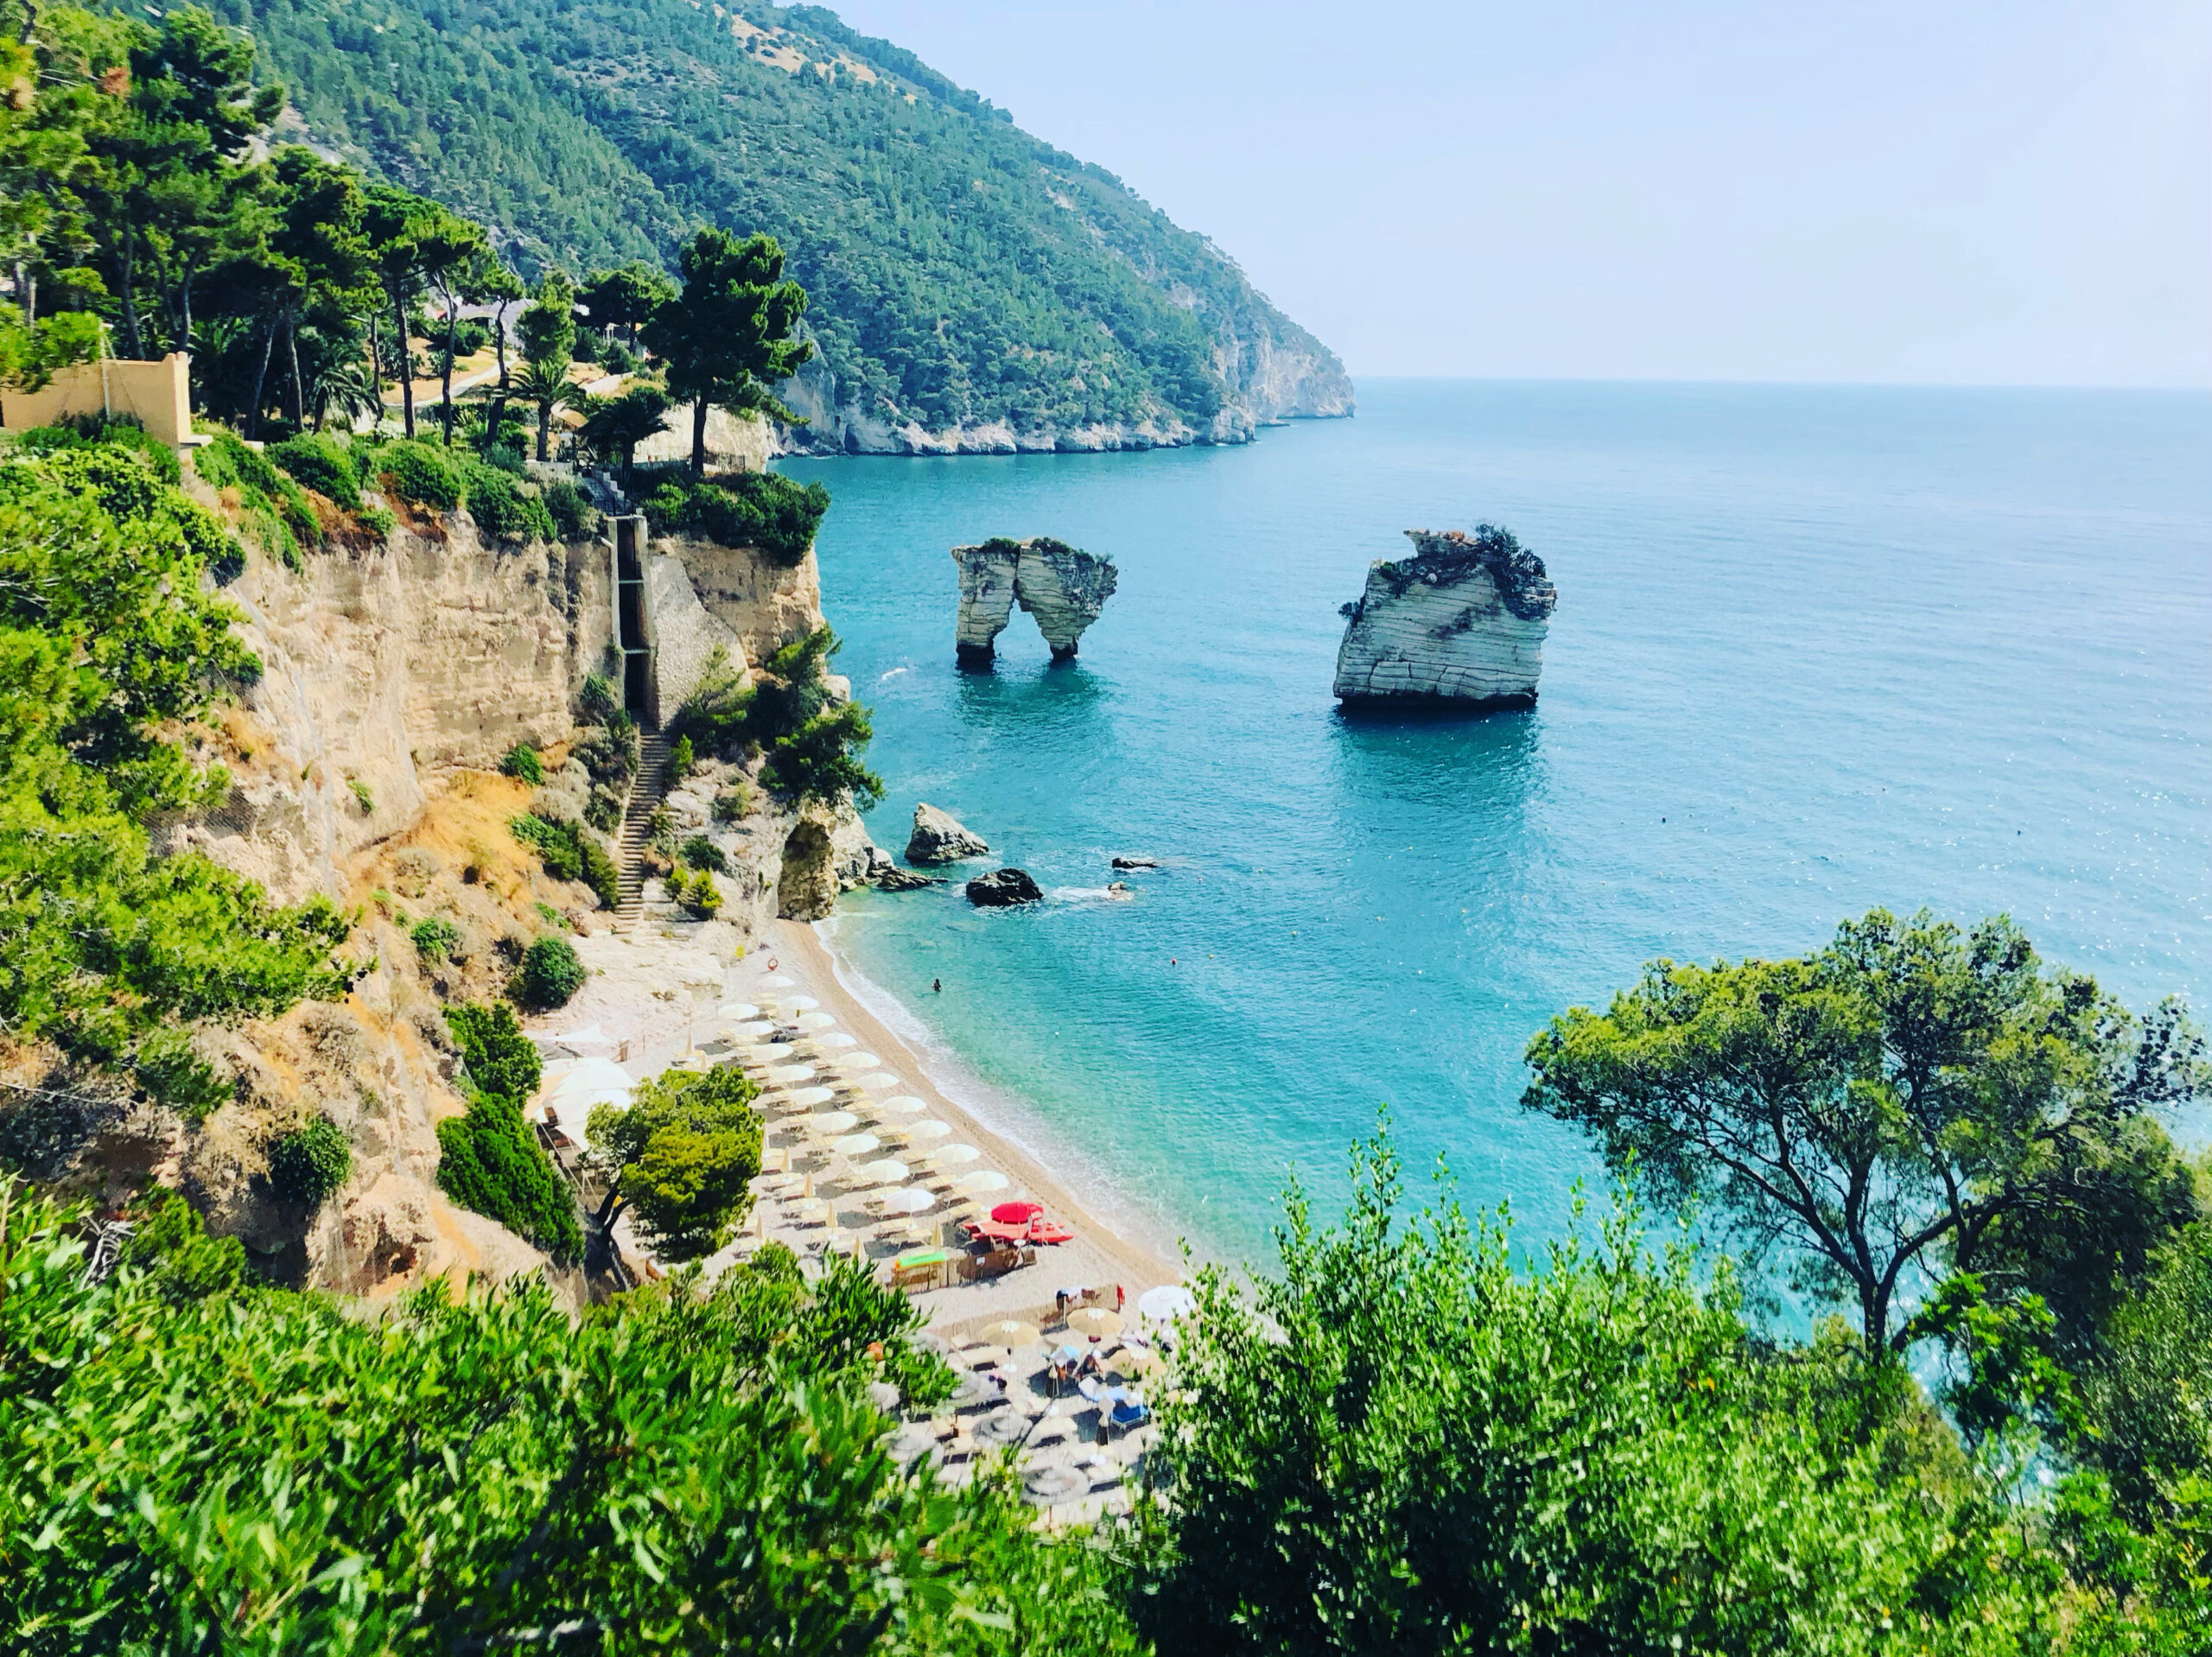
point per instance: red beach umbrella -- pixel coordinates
(1016, 1214)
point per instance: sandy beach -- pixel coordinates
(653, 990)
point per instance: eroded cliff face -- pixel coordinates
(1462, 621)
(1273, 372)
(396, 675)
(1064, 587)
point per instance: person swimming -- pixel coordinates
(938, 984)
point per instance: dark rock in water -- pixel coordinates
(1003, 888)
(895, 878)
(1136, 862)
(939, 837)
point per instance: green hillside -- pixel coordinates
(963, 273)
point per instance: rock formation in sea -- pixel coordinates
(1462, 621)
(1065, 588)
(940, 837)
(1002, 888)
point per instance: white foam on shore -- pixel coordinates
(1006, 1115)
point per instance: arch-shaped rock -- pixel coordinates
(1062, 587)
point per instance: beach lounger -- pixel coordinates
(1126, 1415)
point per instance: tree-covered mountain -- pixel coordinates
(972, 287)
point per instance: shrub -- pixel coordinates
(523, 761)
(549, 975)
(500, 1058)
(569, 853)
(321, 463)
(610, 755)
(732, 803)
(417, 473)
(682, 761)
(275, 509)
(703, 854)
(701, 898)
(765, 510)
(368, 801)
(573, 514)
(171, 1246)
(604, 810)
(816, 762)
(500, 508)
(435, 937)
(308, 1164)
(595, 701)
(376, 520)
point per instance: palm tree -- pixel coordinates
(343, 387)
(617, 425)
(545, 388)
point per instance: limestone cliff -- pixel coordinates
(1463, 620)
(1062, 587)
(397, 671)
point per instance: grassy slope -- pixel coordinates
(961, 270)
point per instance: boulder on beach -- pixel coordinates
(1003, 888)
(939, 837)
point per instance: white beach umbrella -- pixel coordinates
(876, 1083)
(855, 1145)
(1012, 1333)
(927, 1133)
(833, 1122)
(860, 1061)
(1100, 1321)
(738, 1010)
(776, 980)
(983, 1179)
(804, 1003)
(769, 1052)
(1166, 1303)
(955, 1155)
(888, 1172)
(817, 1021)
(811, 1097)
(749, 1033)
(789, 1073)
(589, 1035)
(839, 1039)
(911, 1199)
(902, 1104)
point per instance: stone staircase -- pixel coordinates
(645, 793)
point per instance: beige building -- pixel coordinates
(157, 394)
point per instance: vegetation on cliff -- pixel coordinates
(113, 645)
(960, 270)
(489, 1160)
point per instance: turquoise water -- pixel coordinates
(1816, 649)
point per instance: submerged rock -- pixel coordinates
(1136, 862)
(1462, 621)
(940, 837)
(1064, 587)
(1002, 888)
(895, 878)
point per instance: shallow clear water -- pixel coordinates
(1816, 649)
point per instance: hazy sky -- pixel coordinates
(1950, 191)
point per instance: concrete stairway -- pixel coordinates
(645, 792)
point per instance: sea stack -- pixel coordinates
(1461, 623)
(1064, 587)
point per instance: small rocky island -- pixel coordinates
(1062, 587)
(1461, 622)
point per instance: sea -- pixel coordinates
(1817, 649)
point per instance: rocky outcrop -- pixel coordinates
(1136, 862)
(1064, 587)
(1462, 621)
(1003, 888)
(895, 878)
(940, 837)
